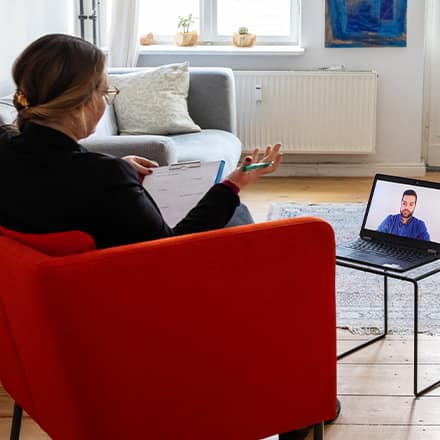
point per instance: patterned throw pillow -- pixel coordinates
(154, 101)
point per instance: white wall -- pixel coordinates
(400, 100)
(21, 22)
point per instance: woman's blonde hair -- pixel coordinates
(55, 75)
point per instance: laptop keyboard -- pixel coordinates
(390, 250)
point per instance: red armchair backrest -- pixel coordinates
(229, 334)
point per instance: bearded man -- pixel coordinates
(405, 224)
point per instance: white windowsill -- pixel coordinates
(171, 49)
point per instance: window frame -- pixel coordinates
(208, 34)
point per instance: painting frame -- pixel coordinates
(365, 23)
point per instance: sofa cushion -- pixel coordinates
(209, 145)
(55, 244)
(154, 101)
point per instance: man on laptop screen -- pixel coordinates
(405, 224)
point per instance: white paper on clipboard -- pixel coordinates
(177, 188)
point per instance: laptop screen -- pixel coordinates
(403, 209)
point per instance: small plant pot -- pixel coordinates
(186, 38)
(147, 39)
(244, 40)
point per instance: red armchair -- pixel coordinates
(228, 334)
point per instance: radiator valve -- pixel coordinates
(258, 93)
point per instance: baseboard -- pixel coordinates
(350, 169)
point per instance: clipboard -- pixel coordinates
(178, 187)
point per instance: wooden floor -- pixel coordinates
(375, 384)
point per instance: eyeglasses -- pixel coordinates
(110, 95)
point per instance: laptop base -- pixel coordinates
(381, 261)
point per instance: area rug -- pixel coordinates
(359, 297)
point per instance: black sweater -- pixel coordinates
(48, 183)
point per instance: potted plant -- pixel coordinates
(243, 38)
(186, 37)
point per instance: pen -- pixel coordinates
(255, 166)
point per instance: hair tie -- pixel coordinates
(21, 99)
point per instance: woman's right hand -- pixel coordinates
(241, 178)
(142, 165)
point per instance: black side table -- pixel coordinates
(412, 276)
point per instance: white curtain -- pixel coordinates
(124, 44)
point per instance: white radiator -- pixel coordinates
(307, 111)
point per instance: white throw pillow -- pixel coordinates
(8, 113)
(154, 101)
(107, 125)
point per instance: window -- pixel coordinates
(161, 17)
(273, 21)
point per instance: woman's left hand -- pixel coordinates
(141, 165)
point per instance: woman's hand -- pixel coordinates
(242, 178)
(141, 165)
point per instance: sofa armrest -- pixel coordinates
(211, 99)
(158, 148)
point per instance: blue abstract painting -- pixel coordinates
(365, 23)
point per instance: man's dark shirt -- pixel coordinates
(48, 183)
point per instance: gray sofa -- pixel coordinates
(211, 104)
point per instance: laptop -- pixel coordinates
(401, 225)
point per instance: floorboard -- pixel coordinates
(384, 379)
(396, 351)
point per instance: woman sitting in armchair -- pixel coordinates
(51, 183)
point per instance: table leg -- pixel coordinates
(385, 324)
(418, 393)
